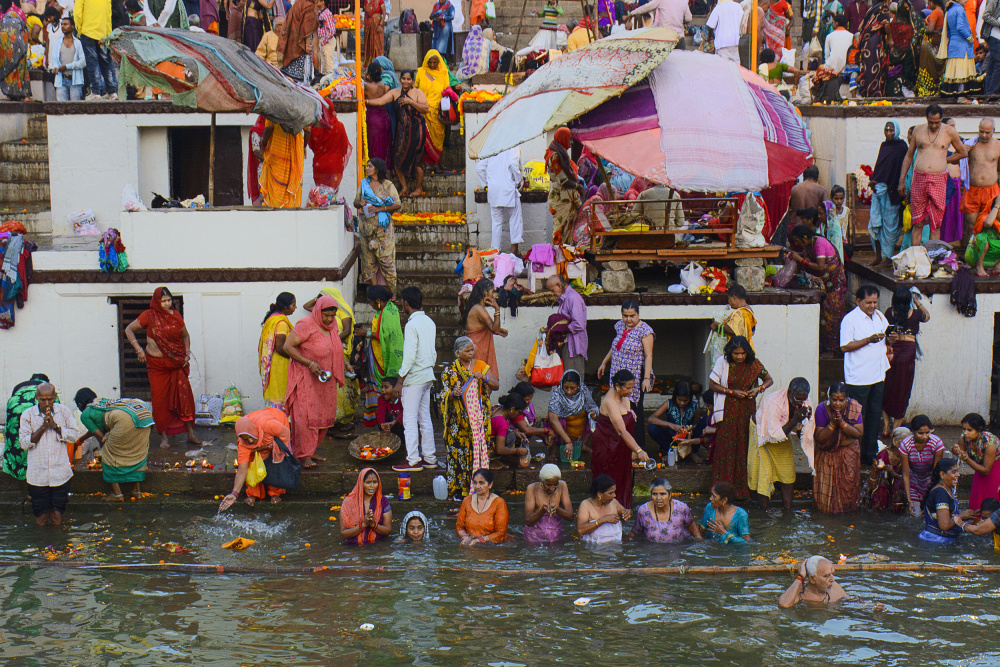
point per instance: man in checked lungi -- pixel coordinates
(930, 172)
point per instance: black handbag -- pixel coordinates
(285, 475)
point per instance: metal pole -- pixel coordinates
(517, 38)
(358, 84)
(211, 164)
(753, 38)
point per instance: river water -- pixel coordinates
(427, 616)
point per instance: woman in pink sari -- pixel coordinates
(315, 349)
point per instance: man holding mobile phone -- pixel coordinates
(867, 352)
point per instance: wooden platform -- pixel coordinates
(696, 252)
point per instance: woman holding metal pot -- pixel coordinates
(316, 369)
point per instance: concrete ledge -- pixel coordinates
(910, 109)
(123, 107)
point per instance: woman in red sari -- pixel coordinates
(612, 441)
(314, 347)
(331, 149)
(168, 350)
(254, 160)
(734, 380)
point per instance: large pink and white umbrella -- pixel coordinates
(569, 86)
(700, 122)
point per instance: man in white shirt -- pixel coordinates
(501, 175)
(44, 431)
(837, 44)
(863, 341)
(725, 22)
(416, 378)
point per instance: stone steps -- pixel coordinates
(33, 150)
(24, 192)
(430, 234)
(38, 128)
(422, 259)
(436, 203)
(36, 218)
(444, 183)
(24, 171)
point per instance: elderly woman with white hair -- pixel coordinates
(664, 518)
(546, 506)
(814, 583)
(465, 405)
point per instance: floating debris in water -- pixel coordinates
(367, 627)
(581, 602)
(195, 452)
(239, 543)
(151, 594)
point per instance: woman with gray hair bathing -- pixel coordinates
(465, 405)
(814, 583)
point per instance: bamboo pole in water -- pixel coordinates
(694, 570)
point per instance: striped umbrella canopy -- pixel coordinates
(699, 122)
(569, 86)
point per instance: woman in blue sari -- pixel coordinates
(376, 201)
(722, 520)
(441, 39)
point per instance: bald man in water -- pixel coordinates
(814, 583)
(45, 429)
(983, 188)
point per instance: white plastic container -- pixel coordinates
(440, 487)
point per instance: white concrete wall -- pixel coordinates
(784, 353)
(952, 379)
(70, 332)
(92, 157)
(841, 145)
(298, 238)
(13, 126)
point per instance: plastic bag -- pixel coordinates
(912, 263)
(750, 228)
(547, 369)
(84, 223)
(691, 277)
(256, 472)
(785, 274)
(232, 405)
(536, 175)
(131, 200)
(491, 9)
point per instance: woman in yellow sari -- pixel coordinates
(281, 170)
(465, 404)
(271, 350)
(432, 79)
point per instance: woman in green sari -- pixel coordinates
(385, 347)
(15, 459)
(122, 426)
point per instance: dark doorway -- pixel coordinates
(189, 149)
(134, 381)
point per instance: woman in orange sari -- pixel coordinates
(257, 433)
(311, 402)
(480, 327)
(167, 352)
(483, 516)
(282, 166)
(365, 514)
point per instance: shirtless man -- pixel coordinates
(814, 583)
(930, 173)
(983, 188)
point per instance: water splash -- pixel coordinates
(227, 524)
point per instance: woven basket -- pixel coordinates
(375, 439)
